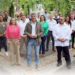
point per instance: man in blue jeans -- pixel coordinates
(34, 32)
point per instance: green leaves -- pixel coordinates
(4, 4)
(63, 5)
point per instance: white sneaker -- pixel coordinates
(6, 53)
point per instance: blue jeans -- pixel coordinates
(42, 46)
(32, 44)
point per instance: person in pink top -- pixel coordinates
(13, 38)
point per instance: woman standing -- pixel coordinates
(68, 23)
(13, 37)
(3, 43)
(44, 25)
(72, 16)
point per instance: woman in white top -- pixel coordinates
(68, 23)
(72, 16)
(62, 36)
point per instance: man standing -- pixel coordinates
(62, 36)
(46, 14)
(22, 24)
(51, 23)
(7, 18)
(33, 31)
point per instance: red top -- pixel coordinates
(13, 32)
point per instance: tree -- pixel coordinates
(64, 6)
(11, 10)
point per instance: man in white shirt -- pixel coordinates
(46, 14)
(73, 28)
(7, 18)
(22, 24)
(33, 29)
(62, 36)
(18, 17)
(51, 23)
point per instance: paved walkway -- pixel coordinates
(47, 66)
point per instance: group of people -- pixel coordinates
(36, 34)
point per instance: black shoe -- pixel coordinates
(68, 66)
(47, 50)
(73, 47)
(73, 55)
(59, 64)
(53, 50)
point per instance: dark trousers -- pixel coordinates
(73, 36)
(43, 43)
(50, 36)
(3, 43)
(65, 51)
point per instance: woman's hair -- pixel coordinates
(69, 21)
(43, 17)
(10, 23)
(2, 17)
